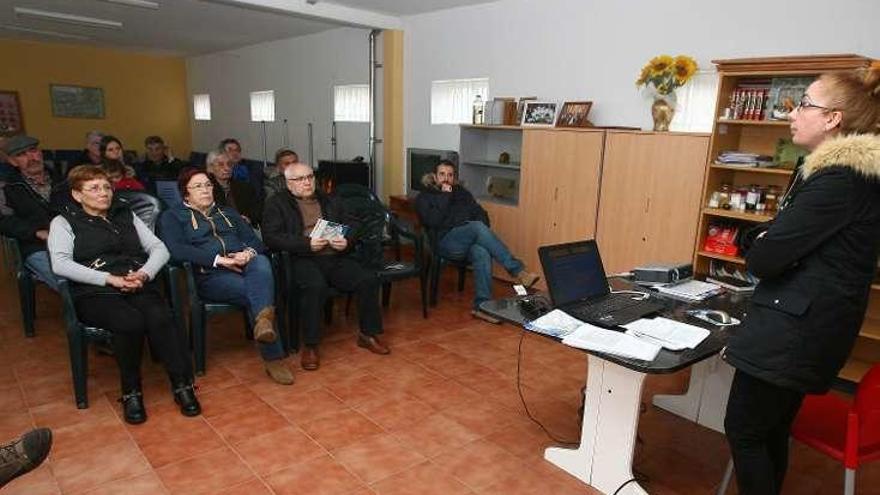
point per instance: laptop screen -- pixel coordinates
(573, 271)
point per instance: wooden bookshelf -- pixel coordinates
(774, 123)
(737, 215)
(754, 170)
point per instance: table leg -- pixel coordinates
(608, 433)
(705, 401)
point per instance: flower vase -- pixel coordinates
(662, 111)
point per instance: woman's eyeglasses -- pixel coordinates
(806, 103)
(98, 188)
(302, 178)
(205, 185)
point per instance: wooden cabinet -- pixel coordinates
(559, 194)
(761, 136)
(651, 197)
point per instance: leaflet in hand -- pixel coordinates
(328, 230)
(593, 338)
(670, 334)
(556, 323)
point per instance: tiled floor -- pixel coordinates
(440, 415)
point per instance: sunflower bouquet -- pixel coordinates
(666, 74)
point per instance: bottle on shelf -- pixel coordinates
(478, 111)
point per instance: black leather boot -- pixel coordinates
(185, 397)
(133, 409)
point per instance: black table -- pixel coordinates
(603, 459)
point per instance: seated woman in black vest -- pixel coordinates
(111, 258)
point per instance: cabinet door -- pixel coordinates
(624, 204)
(559, 189)
(675, 198)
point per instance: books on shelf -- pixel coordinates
(744, 159)
(733, 284)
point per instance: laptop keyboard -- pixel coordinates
(604, 307)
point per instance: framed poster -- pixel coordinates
(11, 118)
(79, 102)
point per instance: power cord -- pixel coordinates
(523, 399)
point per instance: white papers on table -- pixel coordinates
(556, 323)
(593, 338)
(691, 290)
(671, 334)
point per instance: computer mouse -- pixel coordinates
(719, 317)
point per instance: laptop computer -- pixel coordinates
(578, 286)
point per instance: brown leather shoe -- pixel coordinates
(24, 454)
(279, 372)
(310, 360)
(527, 279)
(264, 326)
(372, 344)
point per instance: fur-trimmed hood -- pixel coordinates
(860, 152)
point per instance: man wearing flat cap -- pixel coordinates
(28, 202)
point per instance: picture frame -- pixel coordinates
(539, 114)
(574, 114)
(78, 102)
(11, 116)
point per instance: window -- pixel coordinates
(263, 106)
(695, 110)
(202, 107)
(452, 101)
(351, 103)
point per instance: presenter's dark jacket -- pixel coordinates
(816, 263)
(283, 222)
(441, 211)
(198, 238)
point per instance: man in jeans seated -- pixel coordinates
(319, 263)
(28, 202)
(462, 228)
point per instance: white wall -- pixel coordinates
(302, 71)
(594, 49)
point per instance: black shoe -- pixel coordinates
(133, 407)
(185, 397)
(24, 455)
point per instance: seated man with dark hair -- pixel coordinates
(232, 193)
(319, 263)
(462, 228)
(28, 202)
(158, 164)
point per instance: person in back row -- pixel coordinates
(158, 164)
(319, 262)
(274, 180)
(122, 176)
(235, 194)
(462, 229)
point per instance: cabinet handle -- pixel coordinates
(555, 194)
(647, 205)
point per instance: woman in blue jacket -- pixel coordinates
(228, 260)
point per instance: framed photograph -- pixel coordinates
(539, 114)
(785, 93)
(574, 114)
(78, 102)
(11, 118)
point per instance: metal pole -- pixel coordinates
(285, 139)
(374, 66)
(333, 139)
(265, 145)
(311, 144)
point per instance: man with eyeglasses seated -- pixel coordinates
(235, 194)
(28, 202)
(288, 220)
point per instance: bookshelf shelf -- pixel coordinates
(755, 170)
(771, 123)
(490, 164)
(738, 215)
(722, 257)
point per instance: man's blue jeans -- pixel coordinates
(38, 264)
(253, 289)
(476, 242)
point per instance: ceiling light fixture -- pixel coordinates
(144, 4)
(46, 15)
(311, 2)
(43, 32)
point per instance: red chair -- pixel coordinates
(846, 431)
